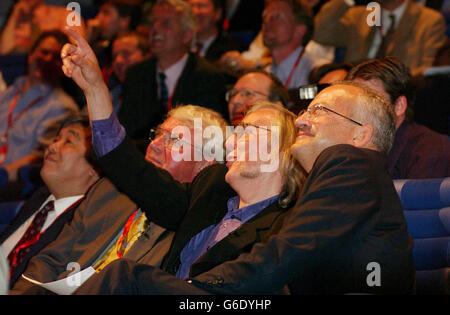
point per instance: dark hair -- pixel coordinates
(56, 34)
(277, 91)
(82, 120)
(319, 72)
(131, 8)
(393, 74)
(142, 40)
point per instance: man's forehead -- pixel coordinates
(261, 117)
(76, 130)
(254, 81)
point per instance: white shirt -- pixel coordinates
(205, 45)
(61, 205)
(172, 73)
(385, 25)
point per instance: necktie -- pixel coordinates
(31, 236)
(387, 38)
(164, 94)
(198, 47)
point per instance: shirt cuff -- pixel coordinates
(107, 134)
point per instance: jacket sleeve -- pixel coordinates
(164, 200)
(332, 24)
(327, 214)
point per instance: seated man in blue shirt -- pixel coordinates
(347, 218)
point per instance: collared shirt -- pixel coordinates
(61, 205)
(207, 238)
(385, 25)
(301, 73)
(205, 45)
(172, 73)
(36, 128)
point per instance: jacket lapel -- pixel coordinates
(255, 230)
(183, 81)
(28, 209)
(404, 30)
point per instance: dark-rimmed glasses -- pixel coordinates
(313, 111)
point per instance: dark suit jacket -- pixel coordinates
(221, 45)
(30, 207)
(199, 84)
(98, 219)
(205, 201)
(348, 216)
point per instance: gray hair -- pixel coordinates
(187, 16)
(375, 110)
(186, 114)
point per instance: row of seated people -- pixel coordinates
(436, 143)
(340, 144)
(188, 79)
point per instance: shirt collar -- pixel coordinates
(247, 212)
(62, 204)
(175, 70)
(286, 66)
(397, 12)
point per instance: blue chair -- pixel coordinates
(30, 177)
(8, 211)
(3, 177)
(426, 205)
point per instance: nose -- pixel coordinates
(302, 122)
(230, 144)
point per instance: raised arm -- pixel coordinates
(80, 64)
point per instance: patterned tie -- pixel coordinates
(164, 94)
(31, 236)
(387, 38)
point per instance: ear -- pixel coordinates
(218, 15)
(362, 137)
(400, 106)
(124, 22)
(187, 37)
(300, 31)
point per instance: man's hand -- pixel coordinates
(80, 63)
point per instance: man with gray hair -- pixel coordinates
(89, 242)
(173, 76)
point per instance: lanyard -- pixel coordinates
(294, 68)
(126, 229)
(11, 109)
(36, 238)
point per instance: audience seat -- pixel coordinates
(8, 211)
(426, 205)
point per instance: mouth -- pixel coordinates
(49, 158)
(304, 134)
(158, 38)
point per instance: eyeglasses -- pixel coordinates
(243, 129)
(169, 139)
(166, 134)
(314, 111)
(243, 92)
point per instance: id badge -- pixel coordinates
(3, 152)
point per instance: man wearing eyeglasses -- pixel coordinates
(346, 232)
(252, 87)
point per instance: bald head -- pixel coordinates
(344, 113)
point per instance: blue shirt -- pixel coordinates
(107, 134)
(207, 238)
(36, 128)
